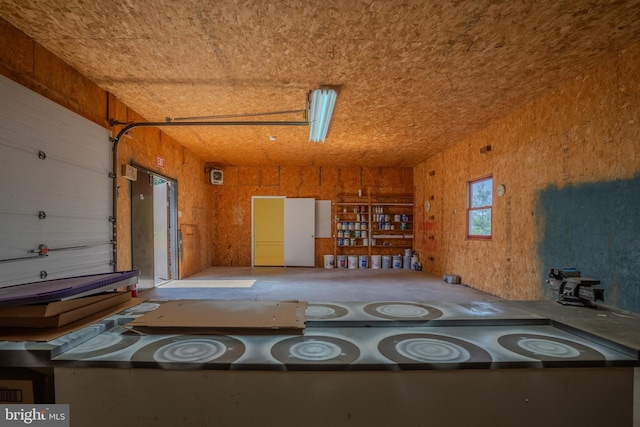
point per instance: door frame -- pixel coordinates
(172, 222)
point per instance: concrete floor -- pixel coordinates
(319, 284)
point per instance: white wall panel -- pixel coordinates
(71, 185)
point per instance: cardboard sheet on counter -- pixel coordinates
(216, 316)
(44, 335)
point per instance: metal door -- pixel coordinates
(142, 238)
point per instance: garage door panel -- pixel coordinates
(70, 185)
(35, 185)
(32, 129)
(59, 265)
(19, 233)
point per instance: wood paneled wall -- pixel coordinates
(231, 202)
(568, 143)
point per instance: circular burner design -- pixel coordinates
(325, 311)
(547, 348)
(191, 349)
(315, 350)
(432, 350)
(402, 311)
(105, 343)
(418, 350)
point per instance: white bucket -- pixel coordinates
(353, 261)
(407, 252)
(328, 261)
(397, 261)
(363, 261)
(386, 261)
(342, 261)
(376, 261)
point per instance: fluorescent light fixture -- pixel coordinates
(322, 103)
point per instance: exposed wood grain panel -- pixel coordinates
(141, 146)
(413, 77)
(584, 132)
(231, 220)
(16, 50)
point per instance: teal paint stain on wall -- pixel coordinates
(595, 228)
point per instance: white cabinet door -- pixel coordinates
(299, 232)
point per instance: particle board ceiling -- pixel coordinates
(413, 77)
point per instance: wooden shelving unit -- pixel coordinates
(370, 225)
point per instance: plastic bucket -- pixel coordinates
(376, 261)
(353, 261)
(328, 261)
(386, 261)
(397, 261)
(408, 252)
(406, 262)
(342, 261)
(363, 261)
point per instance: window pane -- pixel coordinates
(480, 222)
(482, 193)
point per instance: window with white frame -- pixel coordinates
(479, 208)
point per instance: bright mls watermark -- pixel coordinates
(35, 415)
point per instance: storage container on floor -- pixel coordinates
(386, 261)
(363, 261)
(406, 262)
(376, 261)
(328, 261)
(342, 261)
(397, 261)
(353, 261)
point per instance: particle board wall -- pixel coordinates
(578, 141)
(28, 63)
(141, 146)
(231, 202)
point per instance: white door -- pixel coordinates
(299, 232)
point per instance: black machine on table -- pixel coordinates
(572, 289)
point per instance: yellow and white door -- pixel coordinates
(283, 231)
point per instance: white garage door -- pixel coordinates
(55, 190)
